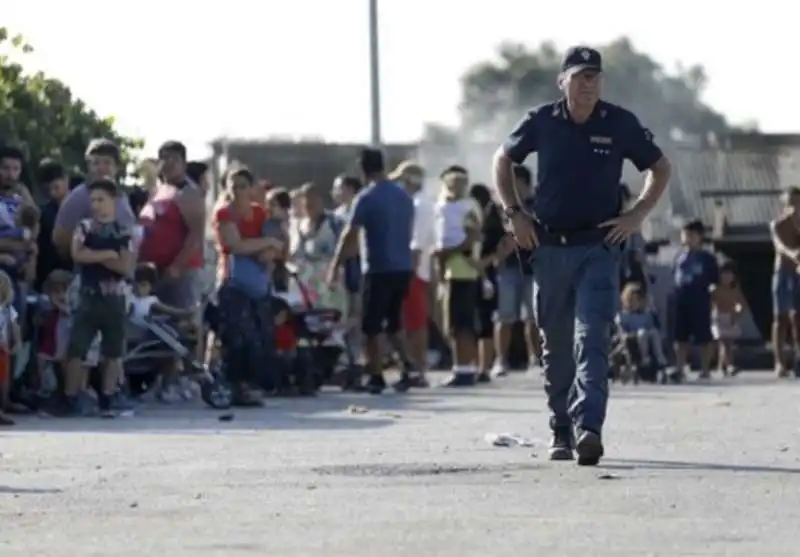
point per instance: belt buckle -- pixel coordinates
(563, 239)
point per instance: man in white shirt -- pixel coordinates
(415, 307)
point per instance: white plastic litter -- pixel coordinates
(508, 440)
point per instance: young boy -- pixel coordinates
(101, 248)
(695, 273)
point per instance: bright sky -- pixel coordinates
(300, 68)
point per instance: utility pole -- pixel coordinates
(374, 74)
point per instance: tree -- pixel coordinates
(40, 115)
(496, 93)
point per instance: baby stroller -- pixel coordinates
(628, 364)
(153, 339)
(320, 335)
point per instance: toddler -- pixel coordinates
(54, 324)
(143, 303)
(636, 322)
(295, 377)
(727, 306)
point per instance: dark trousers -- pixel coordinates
(246, 334)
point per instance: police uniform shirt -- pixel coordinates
(580, 165)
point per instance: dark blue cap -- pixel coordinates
(580, 58)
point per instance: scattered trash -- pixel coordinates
(607, 477)
(228, 417)
(353, 409)
(392, 415)
(722, 403)
(133, 505)
(783, 449)
(507, 440)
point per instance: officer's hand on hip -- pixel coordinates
(521, 226)
(624, 225)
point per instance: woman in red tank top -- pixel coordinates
(245, 327)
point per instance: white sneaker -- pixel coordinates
(499, 369)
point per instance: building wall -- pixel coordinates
(290, 165)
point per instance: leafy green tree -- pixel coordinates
(40, 115)
(497, 92)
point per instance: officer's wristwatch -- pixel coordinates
(511, 210)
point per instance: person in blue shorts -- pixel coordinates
(785, 231)
(383, 213)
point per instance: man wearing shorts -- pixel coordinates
(174, 230)
(415, 307)
(515, 289)
(785, 232)
(384, 213)
(102, 162)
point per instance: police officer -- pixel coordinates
(576, 224)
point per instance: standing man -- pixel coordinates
(11, 163)
(576, 227)
(415, 308)
(384, 213)
(103, 164)
(52, 177)
(174, 231)
(785, 232)
(103, 161)
(515, 289)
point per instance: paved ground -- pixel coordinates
(692, 470)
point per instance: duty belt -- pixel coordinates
(551, 236)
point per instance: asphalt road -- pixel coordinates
(691, 470)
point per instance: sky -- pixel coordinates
(174, 69)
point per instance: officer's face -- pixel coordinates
(584, 87)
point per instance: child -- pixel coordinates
(728, 305)
(695, 272)
(102, 249)
(144, 303)
(636, 322)
(295, 375)
(9, 341)
(54, 324)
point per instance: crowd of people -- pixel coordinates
(384, 257)
(76, 267)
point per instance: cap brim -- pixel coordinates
(583, 68)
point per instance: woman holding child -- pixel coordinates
(246, 251)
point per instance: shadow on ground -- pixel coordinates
(628, 464)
